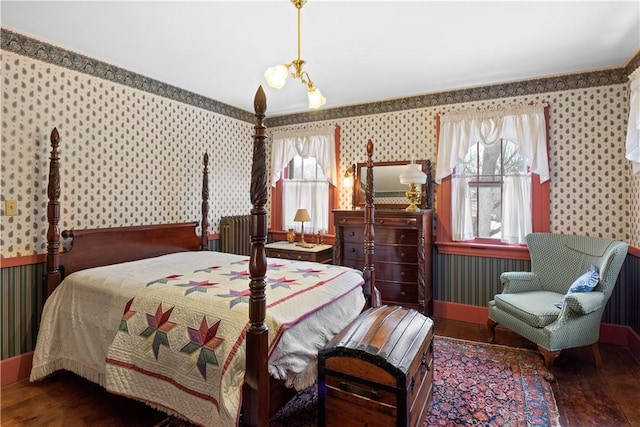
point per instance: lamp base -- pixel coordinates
(414, 197)
(304, 244)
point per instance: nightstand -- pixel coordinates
(319, 253)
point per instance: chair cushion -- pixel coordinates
(535, 308)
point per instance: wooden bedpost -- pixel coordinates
(371, 292)
(204, 225)
(255, 399)
(53, 275)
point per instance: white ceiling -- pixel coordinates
(356, 51)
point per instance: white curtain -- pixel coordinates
(461, 221)
(317, 143)
(632, 151)
(516, 223)
(310, 195)
(524, 125)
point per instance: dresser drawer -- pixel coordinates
(383, 235)
(397, 253)
(354, 234)
(399, 236)
(397, 292)
(396, 272)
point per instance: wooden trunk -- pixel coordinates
(378, 370)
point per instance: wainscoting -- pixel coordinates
(462, 287)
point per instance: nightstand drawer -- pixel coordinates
(272, 253)
(319, 253)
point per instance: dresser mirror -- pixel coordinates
(389, 192)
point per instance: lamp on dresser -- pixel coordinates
(302, 215)
(411, 176)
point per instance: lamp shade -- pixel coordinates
(276, 76)
(302, 215)
(316, 99)
(413, 174)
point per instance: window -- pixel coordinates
(488, 183)
(304, 175)
(305, 186)
(492, 171)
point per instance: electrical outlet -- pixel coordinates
(11, 207)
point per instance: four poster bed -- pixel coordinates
(148, 312)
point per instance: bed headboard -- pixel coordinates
(105, 246)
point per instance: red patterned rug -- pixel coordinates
(474, 384)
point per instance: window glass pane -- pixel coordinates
(486, 165)
(307, 187)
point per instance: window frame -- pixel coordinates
(491, 248)
(276, 231)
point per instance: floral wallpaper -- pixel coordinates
(127, 157)
(592, 188)
(131, 148)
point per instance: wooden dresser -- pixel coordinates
(402, 257)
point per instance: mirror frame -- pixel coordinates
(358, 192)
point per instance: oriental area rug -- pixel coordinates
(474, 384)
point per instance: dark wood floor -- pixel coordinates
(585, 396)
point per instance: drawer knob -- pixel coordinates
(402, 254)
(403, 293)
(402, 273)
(352, 233)
(402, 237)
(299, 256)
(352, 250)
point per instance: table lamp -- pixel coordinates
(413, 175)
(302, 215)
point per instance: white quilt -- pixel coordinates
(170, 330)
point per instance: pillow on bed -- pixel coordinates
(584, 283)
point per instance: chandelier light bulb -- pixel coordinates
(316, 100)
(276, 76)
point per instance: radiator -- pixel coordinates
(235, 234)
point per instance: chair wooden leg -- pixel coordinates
(595, 348)
(492, 330)
(549, 358)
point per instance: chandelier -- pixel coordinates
(276, 76)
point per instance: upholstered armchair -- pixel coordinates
(538, 305)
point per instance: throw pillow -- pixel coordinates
(584, 283)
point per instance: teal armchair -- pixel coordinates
(527, 304)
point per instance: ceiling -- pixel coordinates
(356, 51)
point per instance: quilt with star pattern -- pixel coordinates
(170, 330)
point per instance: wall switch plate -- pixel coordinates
(11, 207)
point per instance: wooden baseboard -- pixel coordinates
(15, 368)
(462, 312)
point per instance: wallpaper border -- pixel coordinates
(55, 55)
(33, 48)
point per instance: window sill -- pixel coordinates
(485, 250)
